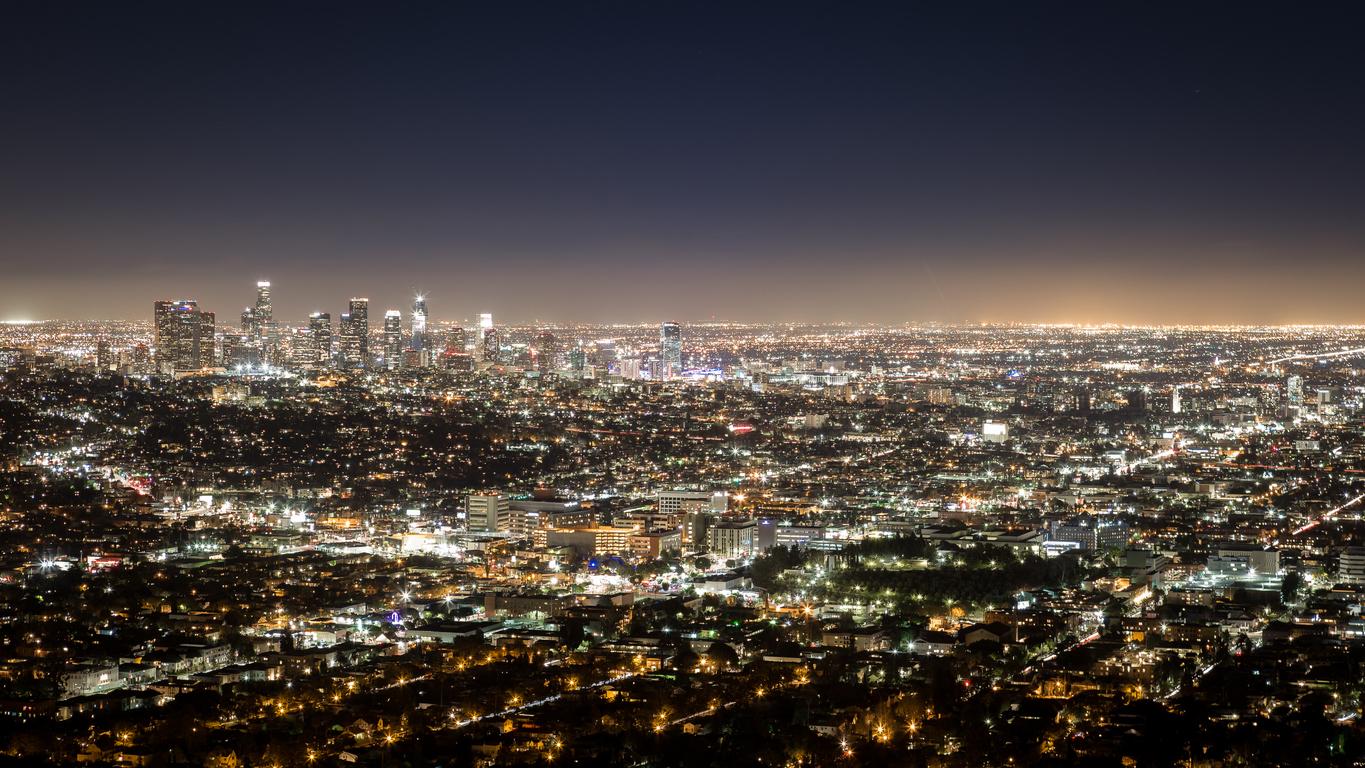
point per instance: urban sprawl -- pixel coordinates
(421, 542)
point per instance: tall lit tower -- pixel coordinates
(355, 334)
(418, 324)
(183, 336)
(546, 349)
(263, 312)
(490, 346)
(1293, 390)
(320, 337)
(393, 338)
(670, 350)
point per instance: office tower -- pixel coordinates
(694, 511)
(249, 327)
(732, 538)
(348, 344)
(355, 335)
(302, 353)
(455, 341)
(488, 340)
(670, 350)
(263, 312)
(393, 338)
(263, 309)
(488, 512)
(418, 327)
(603, 352)
(1293, 388)
(182, 342)
(263, 320)
(104, 356)
(546, 349)
(320, 338)
(492, 345)
(208, 323)
(142, 359)
(1175, 399)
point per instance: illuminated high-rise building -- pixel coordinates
(491, 349)
(670, 350)
(546, 349)
(490, 346)
(355, 335)
(320, 338)
(488, 512)
(393, 338)
(263, 317)
(455, 341)
(183, 336)
(208, 323)
(1293, 390)
(264, 312)
(418, 324)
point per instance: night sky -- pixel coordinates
(636, 161)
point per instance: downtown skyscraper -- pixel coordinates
(393, 338)
(546, 351)
(320, 339)
(417, 330)
(355, 335)
(183, 336)
(670, 350)
(490, 345)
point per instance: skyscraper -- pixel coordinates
(320, 338)
(1293, 390)
(104, 355)
(183, 336)
(670, 350)
(546, 349)
(490, 346)
(263, 312)
(263, 317)
(355, 335)
(207, 329)
(418, 324)
(393, 338)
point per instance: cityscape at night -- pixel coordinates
(682, 384)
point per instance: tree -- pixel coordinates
(722, 655)
(1289, 587)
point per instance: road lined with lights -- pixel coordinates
(1328, 515)
(541, 702)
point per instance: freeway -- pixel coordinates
(1328, 515)
(540, 702)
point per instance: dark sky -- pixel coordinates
(627, 161)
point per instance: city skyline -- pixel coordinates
(766, 163)
(682, 384)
